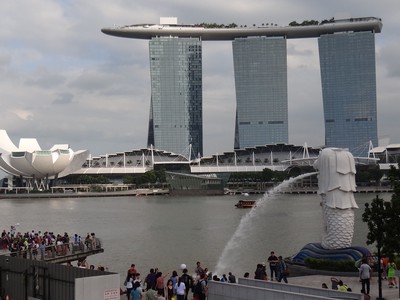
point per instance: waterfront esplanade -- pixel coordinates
(261, 112)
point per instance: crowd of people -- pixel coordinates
(365, 269)
(337, 285)
(39, 245)
(389, 272)
(174, 286)
(157, 285)
(277, 266)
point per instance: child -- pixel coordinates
(391, 275)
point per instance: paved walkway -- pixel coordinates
(352, 282)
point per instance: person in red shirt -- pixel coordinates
(385, 263)
(131, 272)
(160, 283)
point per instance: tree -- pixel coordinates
(376, 218)
(128, 179)
(90, 179)
(368, 175)
(375, 215)
(393, 230)
(383, 220)
(267, 175)
(149, 177)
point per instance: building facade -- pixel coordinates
(260, 66)
(347, 60)
(348, 78)
(176, 113)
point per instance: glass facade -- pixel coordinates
(176, 95)
(260, 66)
(347, 62)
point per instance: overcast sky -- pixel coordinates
(63, 81)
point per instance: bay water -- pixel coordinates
(166, 231)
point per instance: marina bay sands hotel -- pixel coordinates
(348, 78)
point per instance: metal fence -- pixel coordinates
(53, 251)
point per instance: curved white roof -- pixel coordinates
(30, 161)
(6, 143)
(28, 145)
(382, 149)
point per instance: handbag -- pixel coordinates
(287, 271)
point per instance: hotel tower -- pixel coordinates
(347, 62)
(175, 120)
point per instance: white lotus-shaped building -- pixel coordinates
(29, 161)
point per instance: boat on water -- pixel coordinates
(245, 204)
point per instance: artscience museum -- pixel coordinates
(36, 166)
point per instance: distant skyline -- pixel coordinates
(63, 81)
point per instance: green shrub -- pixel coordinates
(331, 265)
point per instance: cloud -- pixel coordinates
(63, 81)
(5, 60)
(63, 98)
(45, 79)
(389, 57)
(23, 114)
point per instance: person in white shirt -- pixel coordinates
(129, 286)
(180, 289)
(365, 275)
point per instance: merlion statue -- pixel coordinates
(336, 184)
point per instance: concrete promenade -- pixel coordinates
(352, 282)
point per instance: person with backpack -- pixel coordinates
(200, 288)
(283, 270)
(188, 281)
(151, 280)
(231, 278)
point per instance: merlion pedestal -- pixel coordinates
(336, 184)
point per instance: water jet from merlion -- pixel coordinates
(230, 255)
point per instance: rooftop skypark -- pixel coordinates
(218, 32)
